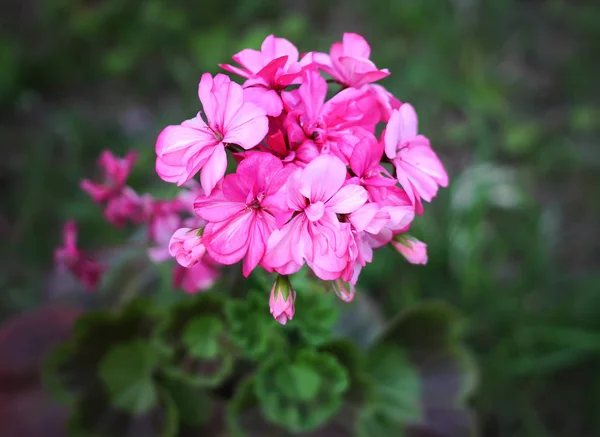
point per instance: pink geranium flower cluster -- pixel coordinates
(314, 184)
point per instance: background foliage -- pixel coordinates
(506, 90)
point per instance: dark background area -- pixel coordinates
(507, 91)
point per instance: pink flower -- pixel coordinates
(282, 300)
(125, 206)
(185, 149)
(385, 102)
(200, 277)
(365, 163)
(268, 72)
(115, 173)
(244, 211)
(186, 246)
(413, 250)
(348, 62)
(77, 262)
(418, 168)
(317, 126)
(164, 218)
(315, 235)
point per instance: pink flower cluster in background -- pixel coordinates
(314, 184)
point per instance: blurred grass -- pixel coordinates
(506, 90)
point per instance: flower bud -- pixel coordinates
(187, 247)
(344, 290)
(282, 300)
(413, 250)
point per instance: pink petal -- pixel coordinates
(409, 124)
(285, 247)
(392, 133)
(217, 208)
(296, 200)
(227, 241)
(322, 178)
(214, 169)
(348, 199)
(248, 127)
(356, 45)
(267, 99)
(252, 60)
(259, 235)
(276, 47)
(313, 92)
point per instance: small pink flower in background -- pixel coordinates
(243, 212)
(413, 250)
(115, 173)
(418, 168)
(121, 203)
(185, 149)
(348, 62)
(200, 277)
(344, 290)
(69, 257)
(186, 246)
(268, 72)
(282, 300)
(315, 235)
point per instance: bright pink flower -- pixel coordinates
(186, 246)
(384, 101)
(348, 62)
(77, 262)
(316, 126)
(115, 172)
(282, 300)
(365, 163)
(125, 206)
(268, 72)
(185, 149)
(200, 277)
(418, 168)
(244, 211)
(413, 250)
(395, 202)
(315, 235)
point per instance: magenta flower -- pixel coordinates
(317, 126)
(268, 72)
(315, 235)
(194, 145)
(365, 163)
(69, 257)
(418, 168)
(244, 211)
(186, 246)
(413, 250)
(348, 62)
(115, 173)
(282, 300)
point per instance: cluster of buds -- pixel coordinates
(314, 184)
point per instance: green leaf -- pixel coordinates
(54, 376)
(201, 336)
(126, 371)
(316, 312)
(253, 328)
(192, 403)
(171, 416)
(303, 392)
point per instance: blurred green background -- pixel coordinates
(507, 90)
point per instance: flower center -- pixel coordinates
(315, 211)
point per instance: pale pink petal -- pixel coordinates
(214, 169)
(267, 99)
(322, 178)
(392, 133)
(355, 45)
(257, 245)
(252, 60)
(285, 247)
(276, 47)
(247, 127)
(216, 207)
(410, 123)
(227, 241)
(348, 199)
